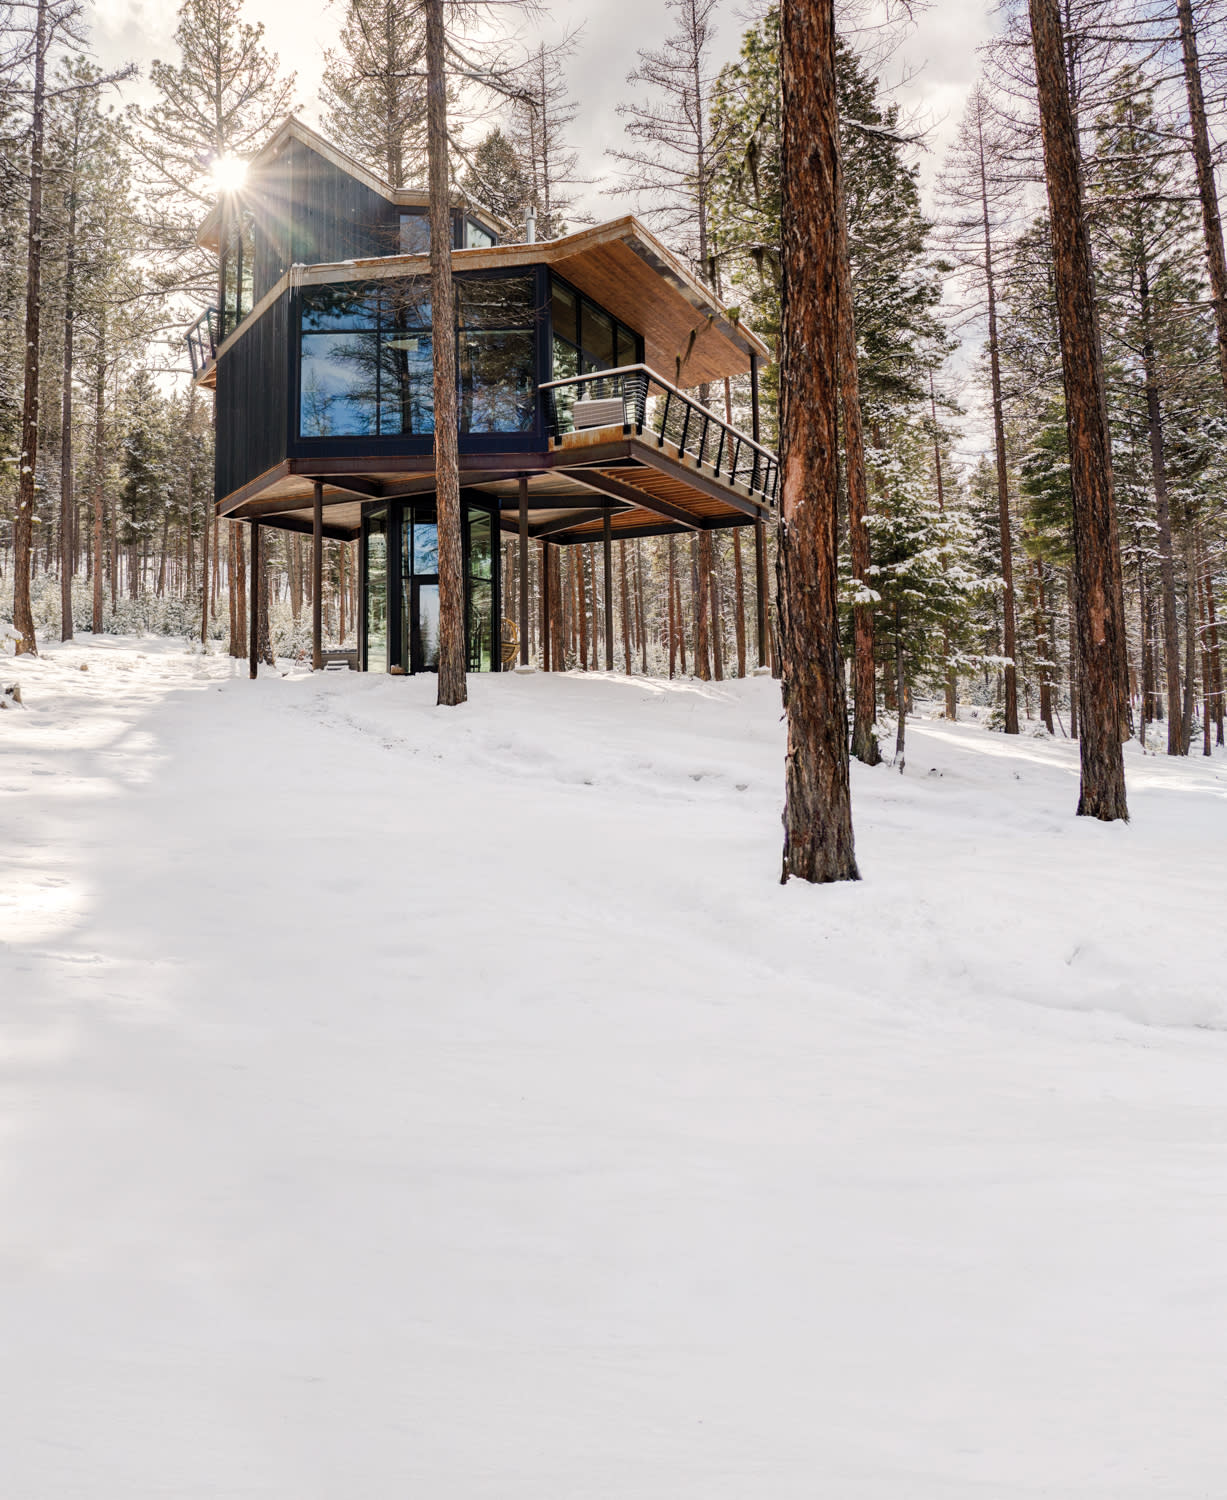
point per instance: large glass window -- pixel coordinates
(498, 388)
(238, 267)
(586, 337)
(367, 366)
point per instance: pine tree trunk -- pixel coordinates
(672, 624)
(641, 609)
(818, 843)
(453, 688)
(739, 617)
(581, 606)
(900, 691)
(1163, 515)
(700, 586)
(864, 679)
(23, 522)
(1190, 645)
(596, 609)
(1216, 660)
(1100, 603)
(626, 608)
(97, 498)
(1003, 491)
(1212, 224)
(1044, 648)
(717, 614)
(558, 641)
(265, 648)
(68, 499)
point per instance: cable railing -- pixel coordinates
(637, 397)
(202, 340)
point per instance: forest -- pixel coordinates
(956, 565)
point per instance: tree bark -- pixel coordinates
(700, 591)
(23, 522)
(1163, 516)
(739, 618)
(864, 679)
(1009, 642)
(1099, 593)
(68, 499)
(453, 687)
(1212, 224)
(818, 842)
(626, 608)
(99, 442)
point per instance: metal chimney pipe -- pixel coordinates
(530, 226)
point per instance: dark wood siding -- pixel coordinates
(333, 216)
(253, 380)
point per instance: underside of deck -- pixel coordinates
(641, 482)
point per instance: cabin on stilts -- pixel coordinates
(582, 367)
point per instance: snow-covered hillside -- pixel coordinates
(406, 1102)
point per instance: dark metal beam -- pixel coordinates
(576, 518)
(317, 579)
(352, 484)
(607, 485)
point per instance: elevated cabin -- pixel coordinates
(580, 362)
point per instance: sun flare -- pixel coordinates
(228, 173)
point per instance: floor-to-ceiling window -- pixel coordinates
(483, 650)
(412, 526)
(377, 593)
(366, 357)
(585, 338)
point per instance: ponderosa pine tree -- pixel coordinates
(496, 178)
(818, 842)
(1143, 235)
(1099, 598)
(670, 170)
(974, 198)
(374, 89)
(218, 103)
(540, 121)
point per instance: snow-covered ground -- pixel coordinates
(404, 1102)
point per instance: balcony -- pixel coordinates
(202, 342)
(642, 403)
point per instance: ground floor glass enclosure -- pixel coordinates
(400, 587)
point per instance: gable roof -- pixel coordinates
(292, 128)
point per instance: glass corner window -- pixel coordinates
(476, 236)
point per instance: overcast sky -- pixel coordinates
(941, 54)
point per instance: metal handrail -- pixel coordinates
(202, 341)
(746, 462)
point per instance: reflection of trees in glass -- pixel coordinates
(367, 357)
(498, 388)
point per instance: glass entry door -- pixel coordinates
(424, 625)
(420, 552)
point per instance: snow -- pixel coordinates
(401, 1101)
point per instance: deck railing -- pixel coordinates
(653, 407)
(202, 340)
